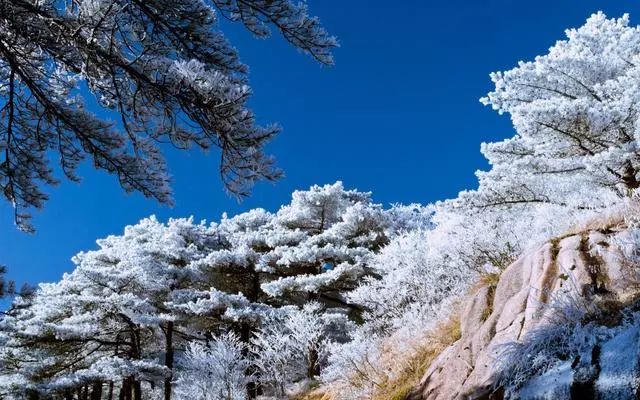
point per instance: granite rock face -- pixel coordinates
(585, 265)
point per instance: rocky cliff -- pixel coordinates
(586, 269)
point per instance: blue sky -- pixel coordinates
(397, 115)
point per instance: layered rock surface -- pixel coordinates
(585, 265)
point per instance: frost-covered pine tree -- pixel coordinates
(575, 111)
(326, 236)
(115, 323)
(121, 322)
(160, 68)
(315, 248)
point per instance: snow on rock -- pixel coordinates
(553, 384)
(619, 365)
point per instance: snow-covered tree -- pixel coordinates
(120, 316)
(417, 279)
(160, 67)
(328, 234)
(315, 248)
(292, 345)
(575, 111)
(214, 371)
(415, 282)
(120, 321)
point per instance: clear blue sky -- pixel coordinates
(398, 115)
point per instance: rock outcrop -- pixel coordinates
(586, 265)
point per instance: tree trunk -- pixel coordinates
(168, 360)
(33, 395)
(125, 390)
(110, 396)
(253, 388)
(136, 352)
(137, 390)
(629, 176)
(245, 336)
(313, 367)
(96, 391)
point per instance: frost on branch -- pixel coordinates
(293, 345)
(576, 117)
(213, 371)
(160, 69)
